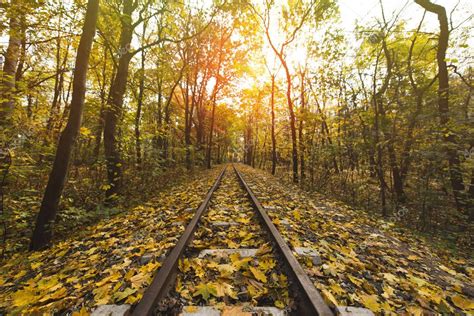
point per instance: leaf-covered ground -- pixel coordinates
(365, 262)
(229, 279)
(111, 262)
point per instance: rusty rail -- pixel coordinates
(165, 277)
(311, 302)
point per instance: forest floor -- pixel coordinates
(364, 261)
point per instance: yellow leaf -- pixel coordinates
(259, 275)
(198, 270)
(72, 279)
(297, 215)
(84, 131)
(462, 302)
(124, 294)
(329, 298)
(390, 278)
(138, 280)
(226, 270)
(23, 298)
(238, 264)
(205, 290)
(36, 265)
(330, 269)
(416, 280)
(48, 284)
(337, 289)
(415, 310)
(355, 280)
(446, 269)
(388, 291)
(60, 293)
(19, 274)
(224, 289)
(82, 312)
(266, 265)
(191, 309)
(150, 267)
(279, 304)
(371, 302)
(243, 220)
(265, 248)
(101, 295)
(184, 265)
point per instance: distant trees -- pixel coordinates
(294, 19)
(376, 124)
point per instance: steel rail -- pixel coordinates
(165, 276)
(312, 302)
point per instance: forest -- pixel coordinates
(111, 107)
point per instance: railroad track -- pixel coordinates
(294, 290)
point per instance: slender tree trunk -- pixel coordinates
(301, 127)
(389, 137)
(188, 118)
(294, 143)
(138, 116)
(58, 81)
(167, 110)
(43, 231)
(455, 172)
(211, 134)
(22, 58)
(471, 197)
(103, 102)
(409, 140)
(159, 116)
(113, 111)
(224, 37)
(379, 162)
(213, 114)
(249, 146)
(272, 103)
(376, 99)
(7, 83)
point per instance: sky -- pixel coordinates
(365, 11)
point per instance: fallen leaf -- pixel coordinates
(259, 275)
(205, 290)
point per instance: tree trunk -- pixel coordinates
(58, 82)
(188, 118)
(7, 84)
(43, 231)
(300, 131)
(211, 134)
(113, 111)
(455, 173)
(103, 102)
(272, 103)
(388, 136)
(138, 116)
(292, 122)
